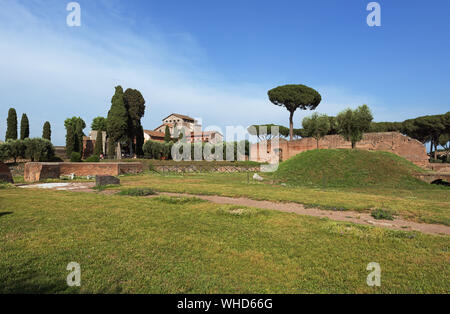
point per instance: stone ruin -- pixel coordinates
(37, 171)
(5, 173)
(394, 142)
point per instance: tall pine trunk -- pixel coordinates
(291, 125)
(435, 149)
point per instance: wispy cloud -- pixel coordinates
(52, 72)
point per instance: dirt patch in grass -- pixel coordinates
(348, 216)
(338, 215)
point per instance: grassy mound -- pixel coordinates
(348, 168)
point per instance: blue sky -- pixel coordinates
(217, 59)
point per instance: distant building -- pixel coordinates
(89, 143)
(154, 136)
(176, 120)
(212, 137)
(192, 129)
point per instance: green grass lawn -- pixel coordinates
(422, 202)
(130, 244)
(348, 168)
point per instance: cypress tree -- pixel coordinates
(24, 127)
(70, 141)
(111, 148)
(98, 124)
(75, 126)
(11, 129)
(139, 140)
(79, 136)
(98, 148)
(135, 106)
(47, 132)
(117, 122)
(167, 135)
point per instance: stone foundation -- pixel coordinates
(431, 177)
(444, 168)
(199, 168)
(393, 142)
(5, 173)
(37, 171)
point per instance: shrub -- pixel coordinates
(382, 214)
(17, 149)
(38, 149)
(93, 158)
(137, 192)
(75, 157)
(5, 185)
(5, 151)
(157, 150)
(56, 159)
(12, 149)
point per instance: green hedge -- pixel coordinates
(35, 149)
(157, 150)
(75, 157)
(93, 158)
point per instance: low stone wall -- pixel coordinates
(129, 168)
(5, 174)
(199, 168)
(431, 177)
(83, 169)
(37, 171)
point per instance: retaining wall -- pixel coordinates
(37, 171)
(393, 142)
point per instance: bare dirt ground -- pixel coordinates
(346, 216)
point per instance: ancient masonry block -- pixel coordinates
(106, 180)
(5, 174)
(37, 171)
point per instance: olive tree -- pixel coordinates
(316, 126)
(353, 123)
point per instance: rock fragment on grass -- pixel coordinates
(257, 177)
(106, 180)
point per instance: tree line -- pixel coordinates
(34, 149)
(351, 124)
(11, 127)
(199, 150)
(122, 126)
(15, 146)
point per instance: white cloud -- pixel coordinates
(53, 72)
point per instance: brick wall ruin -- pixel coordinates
(5, 174)
(37, 171)
(393, 142)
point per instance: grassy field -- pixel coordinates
(423, 202)
(168, 245)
